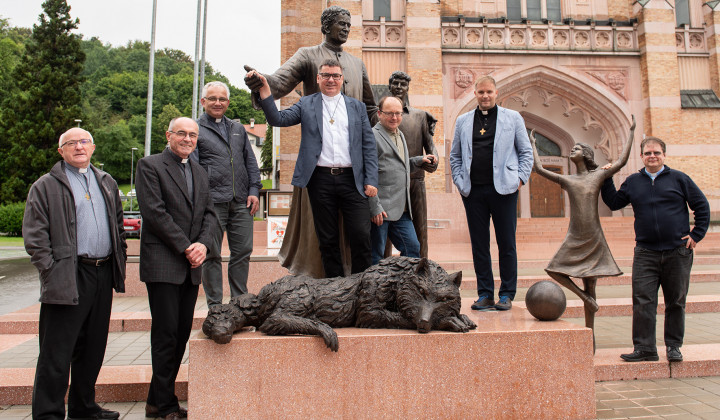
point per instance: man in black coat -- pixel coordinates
(178, 223)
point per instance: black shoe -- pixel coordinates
(483, 302)
(504, 304)
(640, 356)
(674, 355)
(102, 414)
(152, 412)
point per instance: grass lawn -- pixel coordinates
(10, 241)
(267, 184)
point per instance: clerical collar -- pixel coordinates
(654, 174)
(76, 169)
(490, 111)
(332, 47)
(183, 160)
(332, 99)
(218, 120)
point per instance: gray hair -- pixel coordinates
(216, 83)
(63, 135)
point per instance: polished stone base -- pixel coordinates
(512, 366)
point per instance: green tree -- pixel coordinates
(266, 151)
(113, 145)
(45, 104)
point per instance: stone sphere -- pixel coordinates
(545, 301)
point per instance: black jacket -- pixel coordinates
(661, 207)
(231, 167)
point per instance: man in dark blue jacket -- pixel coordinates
(660, 197)
(224, 150)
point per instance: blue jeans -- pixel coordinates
(236, 219)
(402, 234)
(482, 204)
(651, 270)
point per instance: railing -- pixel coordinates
(570, 36)
(690, 40)
(383, 34)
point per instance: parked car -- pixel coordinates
(132, 223)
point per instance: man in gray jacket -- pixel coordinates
(390, 208)
(224, 150)
(73, 231)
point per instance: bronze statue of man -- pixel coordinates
(300, 250)
(418, 126)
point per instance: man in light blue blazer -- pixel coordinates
(391, 207)
(337, 163)
(490, 159)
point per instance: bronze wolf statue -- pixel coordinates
(399, 292)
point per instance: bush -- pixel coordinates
(11, 218)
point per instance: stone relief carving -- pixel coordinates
(602, 39)
(450, 36)
(539, 39)
(517, 37)
(582, 39)
(495, 37)
(560, 38)
(696, 41)
(679, 40)
(614, 79)
(371, 34)
(624, 40)
(393, 35)
(473, 36)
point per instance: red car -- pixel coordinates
(132, 223)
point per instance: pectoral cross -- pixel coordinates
(87, 196)
(482, 131)
(332, 121)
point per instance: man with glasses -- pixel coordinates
(73, 231)
(224, 150)
(418, 126)
(178, 224)
(337, 162)
(663, 256)
(390, 209)
(299, 248)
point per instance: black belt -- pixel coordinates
(333, 171)
(97, 262)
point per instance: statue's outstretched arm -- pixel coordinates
(552, 176)
(623, 158)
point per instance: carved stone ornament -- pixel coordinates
(539, 38)
(560, 38)
(696, 41)
(602, 39)
(495, 37)
(582, 40)
(399, 292)
(679, 40)
(517, 37)
(450, 36)
(393, 35)
(371, 34)
(464, 78)
(473, 36)
(624, 40)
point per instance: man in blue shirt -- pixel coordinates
(660, 197)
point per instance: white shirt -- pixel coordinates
(335, 137)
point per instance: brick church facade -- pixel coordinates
(575, 69)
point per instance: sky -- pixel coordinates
(238, 31)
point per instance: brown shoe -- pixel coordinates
(152, 411)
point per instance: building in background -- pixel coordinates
(575, 69)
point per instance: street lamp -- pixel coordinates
(132, 170)
(78, 122)
(102, 165)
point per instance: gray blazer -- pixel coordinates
(172, 220)
(393, 176)
(308, 113)
(512, 153)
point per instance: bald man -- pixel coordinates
(73, 231)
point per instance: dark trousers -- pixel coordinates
(482, 204)
(651, 270)
(172, 307)
(73, 336)
(330, 194)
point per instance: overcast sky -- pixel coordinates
(238, 31)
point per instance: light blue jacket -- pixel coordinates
(512, 152)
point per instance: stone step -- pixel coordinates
(131, 382)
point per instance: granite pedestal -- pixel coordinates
(512, 366)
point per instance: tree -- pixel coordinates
(45, 104)
(113, 144)
(266, 153)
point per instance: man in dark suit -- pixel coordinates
(178, 223)
(391, 207)
(337, 162)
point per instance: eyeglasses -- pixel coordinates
(74, 143)
(214, 99)
(392, 114)
(656, 153)
(335, 76)
(184, 134)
